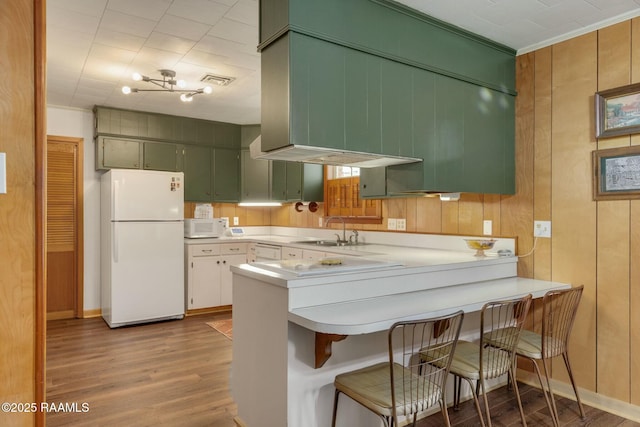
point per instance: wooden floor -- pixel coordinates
(173, 373)
(176, 373)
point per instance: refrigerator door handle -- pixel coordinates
(114, 237)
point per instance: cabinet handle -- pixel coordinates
(218, 262)
(234, 249)
(207, 250)
(224, 262)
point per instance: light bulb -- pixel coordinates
(181, 83)
(207, 89)
(186, 98)
(126, 90)
(136, 77)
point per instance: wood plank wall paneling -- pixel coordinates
(518, 221)
(18, 350)
(614, 65)
(573, 246)
(542, 159)
(634, 242)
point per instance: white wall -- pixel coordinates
(79, 124)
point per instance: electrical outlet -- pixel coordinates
(487, 227)
(392, 224)
(320, 222)
(401, 224)
(236, 220)
(542, 228)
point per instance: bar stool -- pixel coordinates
(559, 310)
(500, 321)
(403, 386)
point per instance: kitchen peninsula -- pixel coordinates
(295, 330)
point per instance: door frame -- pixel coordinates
(79, 143)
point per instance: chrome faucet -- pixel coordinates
(342, 241)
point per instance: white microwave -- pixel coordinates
(204, 228)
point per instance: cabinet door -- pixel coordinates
(311, 255)
(373, 182)
(205, 283)
(255, 178)
(119, 153)
(227, 135)
(197, 173)
(226, 175)
(291, 253)
(279, 180)
(294, 181)
(226, 278)
(160, 156)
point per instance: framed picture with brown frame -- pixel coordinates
(616, 173)
(618, 111)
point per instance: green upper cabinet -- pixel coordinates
(378, 77)
(293, 181)
(468, 142)
(226, 175)
(255, 180)
(387, 29)
(197, 173)
(161, 156)
(118, 153)
(373, 183)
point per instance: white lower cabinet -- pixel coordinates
(208, 275)
(289, 252)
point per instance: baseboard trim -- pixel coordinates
(96, 312)
(58, 315)
(209, 310)
(590, 398)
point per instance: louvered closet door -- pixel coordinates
(64, 217)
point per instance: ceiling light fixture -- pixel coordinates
(168, 83)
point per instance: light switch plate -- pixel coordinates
(487, 227)
(542, 228)
(392, 224)
(236, 220)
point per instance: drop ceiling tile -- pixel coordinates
(129, 24)
(204, 11)
(203, 59)
(59, 18)
(119, 39)
(168, 42)
(244, 11)
(93, 8)
(151, 59)
(235, 31)
(225, 47)
(182, 28)
(148, 9)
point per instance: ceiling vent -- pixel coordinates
(218, 80)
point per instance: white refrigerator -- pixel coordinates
(142, 249)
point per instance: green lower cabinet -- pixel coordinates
(226, 175)
(197, 173)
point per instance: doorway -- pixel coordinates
(64, 227)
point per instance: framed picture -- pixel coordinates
(618, 111)
(616, 173)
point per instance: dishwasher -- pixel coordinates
(266, 252)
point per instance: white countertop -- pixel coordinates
(378, 314)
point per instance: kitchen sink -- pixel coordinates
(326, 243)
(319, 242)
